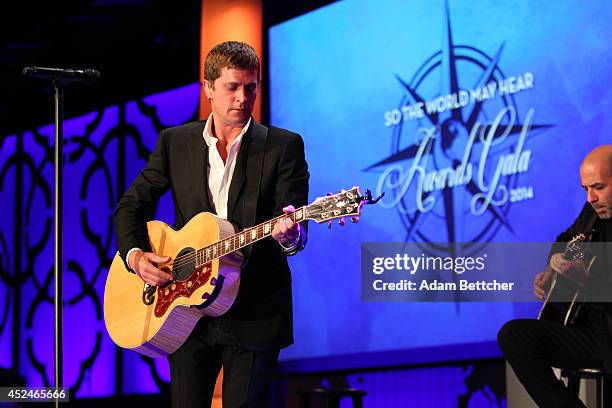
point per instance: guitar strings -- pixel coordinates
(187, 259)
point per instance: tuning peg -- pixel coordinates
(341, 222)
(329, 224)
(354, 220)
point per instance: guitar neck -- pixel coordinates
(244, 238)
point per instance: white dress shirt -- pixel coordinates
(219, 174)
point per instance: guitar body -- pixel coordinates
(205, 265)
(561, 303)
(155, 321)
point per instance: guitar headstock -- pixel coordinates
(575, 248)
(346, 203)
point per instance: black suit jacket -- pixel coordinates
(596, 316)
(588, 222)
(270, 173)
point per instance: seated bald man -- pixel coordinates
(531, 346)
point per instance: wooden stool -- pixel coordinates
(332, 396)
(574, 375)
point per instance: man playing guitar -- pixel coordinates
(533, 347)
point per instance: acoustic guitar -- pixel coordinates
(205, 265)
(562, 302)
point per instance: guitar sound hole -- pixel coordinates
(184, 264)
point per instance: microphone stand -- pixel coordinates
(59, 78)
(57, 260)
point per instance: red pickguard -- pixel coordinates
(173, 290)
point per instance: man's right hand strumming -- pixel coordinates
(542, 282)
(145, 264)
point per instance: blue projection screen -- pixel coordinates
(473, 118)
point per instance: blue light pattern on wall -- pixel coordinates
(104, 151)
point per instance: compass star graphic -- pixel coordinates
(441, 140)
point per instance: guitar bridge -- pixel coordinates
(148, 294)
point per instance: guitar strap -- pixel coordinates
(254, 170)
(592, 226)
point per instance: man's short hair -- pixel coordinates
(230, 54)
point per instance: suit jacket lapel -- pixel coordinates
(249, 162)
(198, 153)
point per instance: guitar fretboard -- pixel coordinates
(244, 238)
